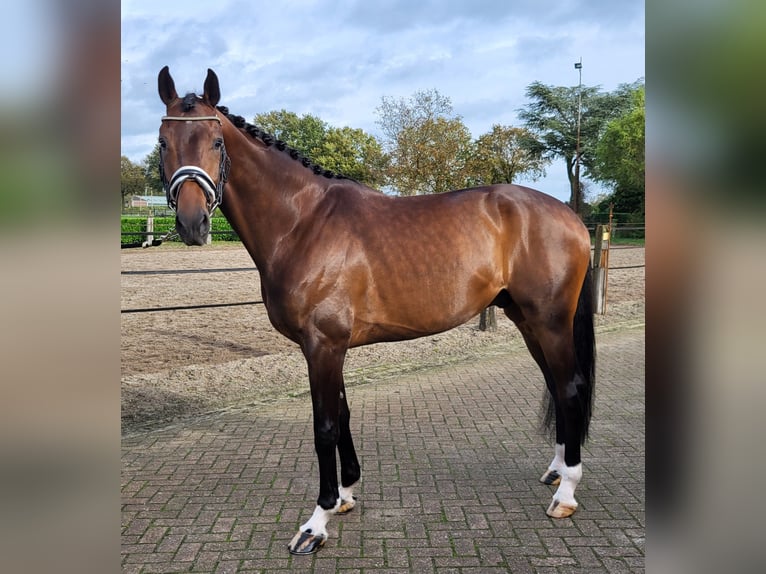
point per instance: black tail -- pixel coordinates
(585, 354)
(585, 349)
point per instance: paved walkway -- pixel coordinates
(450, 462)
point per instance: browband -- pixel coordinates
(192, 118)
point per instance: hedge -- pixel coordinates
(133, 228)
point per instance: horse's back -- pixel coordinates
(511, 218)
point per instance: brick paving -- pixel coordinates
(450, 464)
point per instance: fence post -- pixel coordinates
(600, 262)
(487, 320)
(149, 228)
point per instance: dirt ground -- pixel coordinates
(186, 362)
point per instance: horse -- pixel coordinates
(343, 265)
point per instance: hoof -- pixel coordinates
(551, 478)
(347, 506)
(305, 543)
(560, 510)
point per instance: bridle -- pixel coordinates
(213, 191)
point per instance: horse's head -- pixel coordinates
(193, 160)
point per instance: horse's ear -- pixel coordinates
(212, 92)
(166, 86)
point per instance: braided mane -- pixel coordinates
(270, 140)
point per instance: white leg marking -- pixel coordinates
(556, 468)
(346, 496)
(570, 478)
(558, 463)
(317, 524)
(346, 493)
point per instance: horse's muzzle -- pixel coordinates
(194, 230)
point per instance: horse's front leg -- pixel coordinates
(349, 464)
(325, 363)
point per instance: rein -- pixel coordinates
(213, 191)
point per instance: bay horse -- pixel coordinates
(343, 265)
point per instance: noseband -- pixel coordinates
(213, 191)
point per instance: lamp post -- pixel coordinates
(576, 202)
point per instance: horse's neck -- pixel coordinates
(265, 199)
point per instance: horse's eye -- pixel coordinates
(218, 144)
(163, 143)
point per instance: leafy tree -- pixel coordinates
(132, 181)
(619, 157)
(428, 146)
(353, 153)
(503, 154)
(305, 133)
(347, 151)
(151, 167)
(552, 115)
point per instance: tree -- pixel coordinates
(619, 157)
(428, 146)
(355, 154)
(304, 133)
(151, 166)
(503, 154)
(132, 181)
(552, 116)
(347, 151)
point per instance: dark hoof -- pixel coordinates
(551, 478)
(347, 506)
(305, 543)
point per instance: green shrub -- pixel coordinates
(134, 227)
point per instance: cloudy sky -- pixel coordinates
(336, 59)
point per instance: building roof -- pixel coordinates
(153, 200)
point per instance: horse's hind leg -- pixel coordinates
(553, 351)
(571, 424)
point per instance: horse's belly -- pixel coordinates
(421, 312)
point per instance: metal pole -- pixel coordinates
(578, 66)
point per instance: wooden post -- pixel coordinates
(598, 245)
(149, 229)
(487, 320)
(600, 262)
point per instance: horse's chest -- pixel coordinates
(285, 309)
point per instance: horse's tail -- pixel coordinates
(585, 355)
(585, 349)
